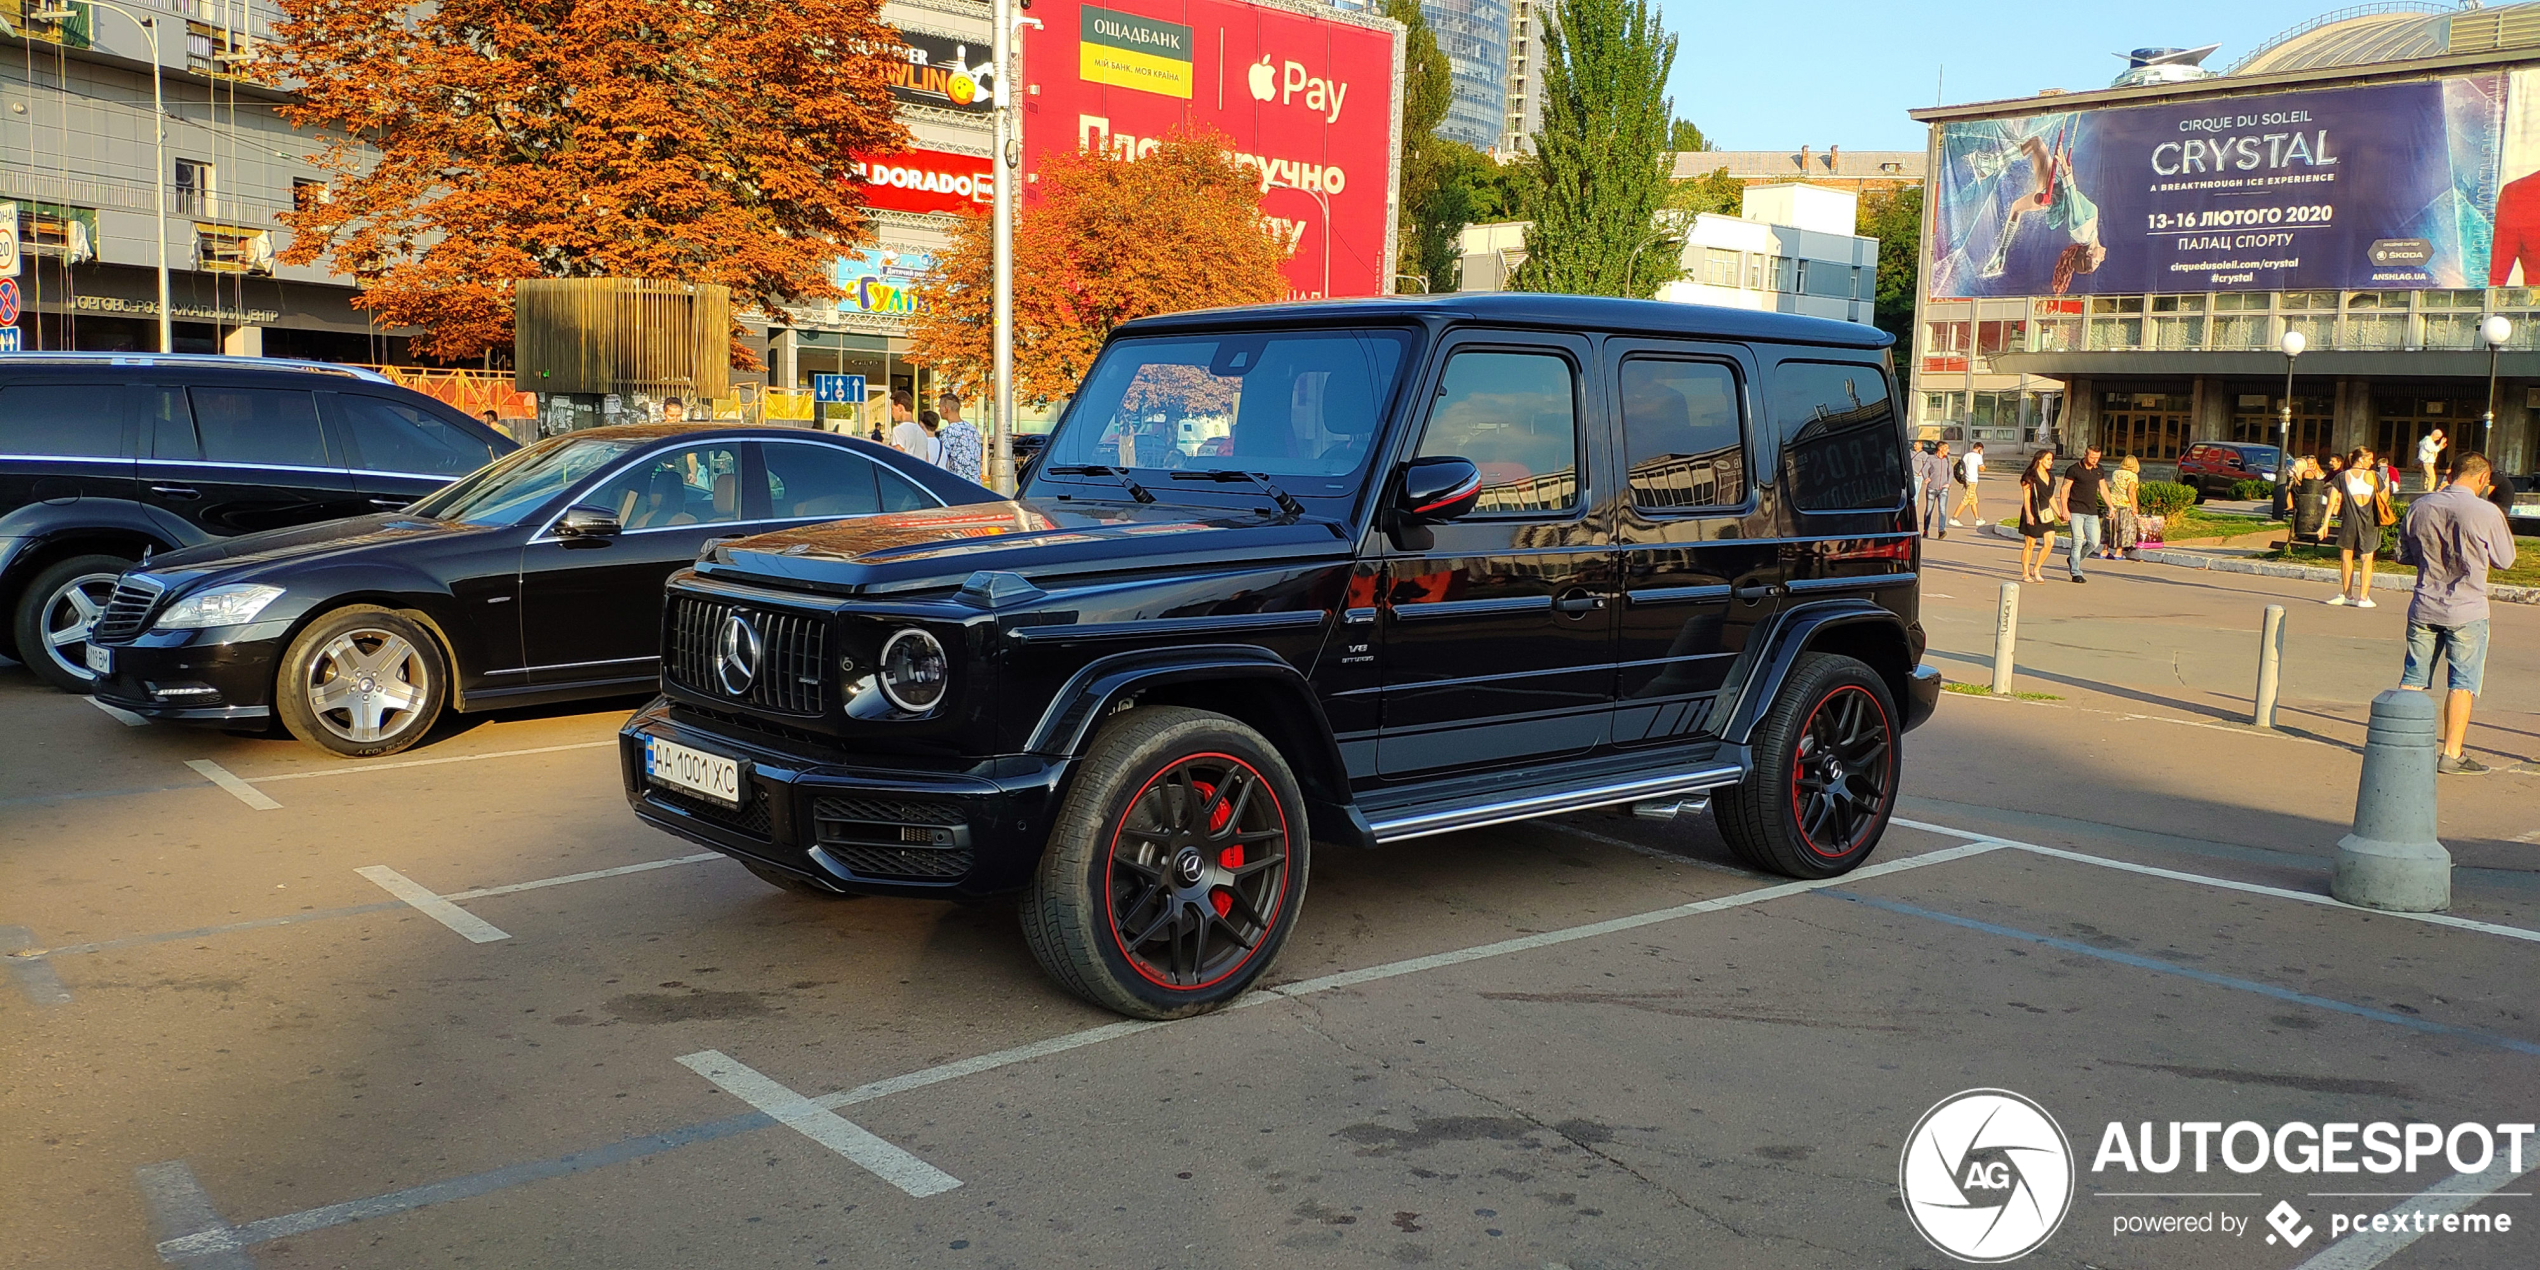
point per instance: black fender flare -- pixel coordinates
(30, 532)
(1766, 664)
(1297, 722)
(409, 593)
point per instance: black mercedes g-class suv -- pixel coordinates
(1336, 574)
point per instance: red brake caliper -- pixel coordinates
(1232, 857)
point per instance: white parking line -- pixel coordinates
(432, 905)
(124, 717)
(180, 1210)
(228, 780)
(34, 975)
(594, 875)
(821, 1125)
(2226, 884)
(357, 769)
(2369, 1248)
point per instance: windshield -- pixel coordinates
(522, 483)
(1302, 407)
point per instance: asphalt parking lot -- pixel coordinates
(459, 1008)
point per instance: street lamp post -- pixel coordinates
(2495, 330)
(1326, 205)
(1632, 261)
(2292, 345)
(159, 132)
(1008, 54)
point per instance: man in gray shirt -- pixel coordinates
(1931, 483)
(2453, 536)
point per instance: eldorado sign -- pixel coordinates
(922, 180)
(1307, 97)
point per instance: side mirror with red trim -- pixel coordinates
(1436, 489)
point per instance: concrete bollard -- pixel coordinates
(2270, 664)
(2006, 632)
(2392, 860)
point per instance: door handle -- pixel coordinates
(1578, 602)
(177, 491)
(1764, 592)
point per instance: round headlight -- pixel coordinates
(914, 671)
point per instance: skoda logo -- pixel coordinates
(736, 654)
(1987, 1176)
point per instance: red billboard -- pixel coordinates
(922, 180)
(1308, 97)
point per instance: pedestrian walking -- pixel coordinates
(1931, 473)
(2453, 536)
(2429, 448)
(2037, 516)
(964, 453)
(2359, 499)
(2079, 498)
(2125, 521)
(1970, 471)
(914, 434)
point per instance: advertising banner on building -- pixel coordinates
(1306, 98)
(881, 280)
(948, 74)
(922, 180)
(2386, 187)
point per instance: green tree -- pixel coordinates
(1494, 191)
(1684, 138)
(1434, 202)
(1718, 192)
(1895, 218)
(1602, 159)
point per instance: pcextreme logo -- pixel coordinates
(1287, 81)
(1987, 1176)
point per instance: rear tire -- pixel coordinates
(1175, 868)
(54, 613)
(361, 682)
(1825, 776)
(784, 881)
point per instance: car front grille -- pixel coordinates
(893, 838)
(128, 613)
(790, 674)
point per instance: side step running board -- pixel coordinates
(1644, 790)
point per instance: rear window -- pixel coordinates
(263, 427)
(1841, 447)
(62, 420)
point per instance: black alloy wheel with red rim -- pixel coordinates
(1826, 769)
(1175, 866)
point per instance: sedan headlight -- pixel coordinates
(915, 673)
(231, 605)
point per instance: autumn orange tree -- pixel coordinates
(1101, 240)
(580, 138)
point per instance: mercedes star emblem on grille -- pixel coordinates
(737, 653)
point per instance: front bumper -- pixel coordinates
(874, 824)
(1922, 696)
(219, 675)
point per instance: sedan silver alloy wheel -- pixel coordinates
(366, 684)
(69, 612)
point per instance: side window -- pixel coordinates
(900, 494)
(171, 424)
(265, 427)
(817, 480)
(71, 421)
(392, 436)
(700, 485)
(1682, 437)
(1841, 449)
(1515, 415)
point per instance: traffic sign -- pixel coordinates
(8, 302)
(838, 389)
(8, 239)
(9, 340)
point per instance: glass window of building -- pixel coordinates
(1720, 268)
(1474, 36)
(194, 188)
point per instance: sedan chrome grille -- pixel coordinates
(773, 662)
(128, 613)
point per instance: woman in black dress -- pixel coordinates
(2037, 515)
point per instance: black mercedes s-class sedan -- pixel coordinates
(536, 579)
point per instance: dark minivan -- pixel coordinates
(107, 457)
(1314, 576)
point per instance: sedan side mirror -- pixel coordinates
(587, 522)
(1436, 489)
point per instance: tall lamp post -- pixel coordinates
(1326, 204)
(1008, 53)
(159, 131)
(2293, 345)
(2495, 330)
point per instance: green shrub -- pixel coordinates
(2163, 498)
(2253, 490)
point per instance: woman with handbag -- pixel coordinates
(2125, 524)
(2037, 515)
(2360, 499)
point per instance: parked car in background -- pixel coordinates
(537, 579)
(106, 458)
(2211, 468)
(1432, 564)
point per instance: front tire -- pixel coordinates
(54, 614)
(1826, 773)
(361, 682)
(1175, 868)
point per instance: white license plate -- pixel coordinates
(101, 660)
(705, 775)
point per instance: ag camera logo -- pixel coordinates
(1987, 1176)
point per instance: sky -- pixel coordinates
(1777, 76)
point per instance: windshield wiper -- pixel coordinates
(1277, 495)
(1136, 490)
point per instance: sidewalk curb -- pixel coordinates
(2187, 559)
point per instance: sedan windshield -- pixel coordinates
(1300, 406)
(520, 484)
